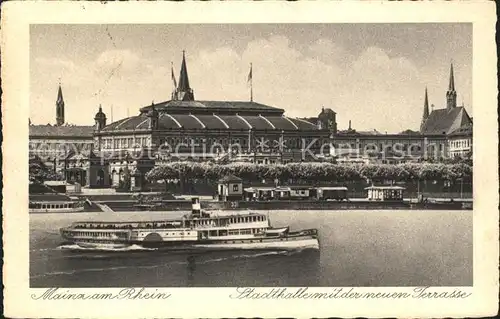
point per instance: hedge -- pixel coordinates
(312, 171)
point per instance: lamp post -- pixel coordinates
(418, 189)
(461, 187)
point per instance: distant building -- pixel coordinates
(460, 142)
(53, 143)
(86, 168)
(444, 133)
(352, 146)
(445, 121)
(326, 120)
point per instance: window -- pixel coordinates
(236, 188)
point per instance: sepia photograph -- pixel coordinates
(254, 160)
(251, 155)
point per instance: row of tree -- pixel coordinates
(312, 171)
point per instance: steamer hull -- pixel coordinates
(102, 246)
(282, 243)
(302, 243)
(303, 240)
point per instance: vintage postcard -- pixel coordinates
(266, 159)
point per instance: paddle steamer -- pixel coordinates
(198, 230)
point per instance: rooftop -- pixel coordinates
(465, 130)
(359, 133)
(61, 131)
(230, 179)
(48, 197)
(212, 121)
(231, 106)
(445, 121)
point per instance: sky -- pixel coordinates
(372, 74)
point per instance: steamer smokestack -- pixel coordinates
(196, 207)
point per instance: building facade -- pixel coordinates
(373, 147)
(460, 142)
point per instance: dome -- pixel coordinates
(100, 114)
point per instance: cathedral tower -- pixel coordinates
(59, 107)
(451, 95)
(183, 91)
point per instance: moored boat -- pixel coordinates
(54, 204)
(196, 231)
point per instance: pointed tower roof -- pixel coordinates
(451, 85)
(426, 105)
(59, 96)
(183, 91)
(183, 77)
(425, 116)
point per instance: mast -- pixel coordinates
(174, 81)
(250, 81)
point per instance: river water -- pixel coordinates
(358, 248)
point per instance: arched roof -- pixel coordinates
(168, 121)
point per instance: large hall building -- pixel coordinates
(184, 127)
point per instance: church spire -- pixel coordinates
(183, 78)
(184, 91)
(426, 109)
(451, 95)
(59, 107)
(451, 85)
